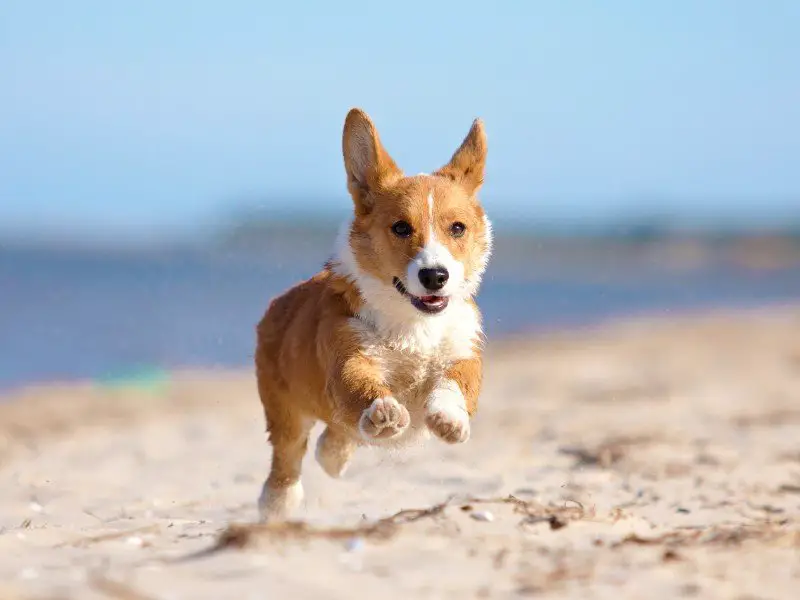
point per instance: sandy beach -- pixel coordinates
(647, 458)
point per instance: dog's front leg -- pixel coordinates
(455, 400)
(363, 401)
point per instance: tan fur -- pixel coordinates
(468, 374)
(373, 371)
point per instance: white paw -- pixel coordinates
(334, 452)
(385, 418)
(278, 503)
(447, 414)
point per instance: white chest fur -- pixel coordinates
(414, 352)
(413, 357)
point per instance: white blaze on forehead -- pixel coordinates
(431, 232)
(434, 254)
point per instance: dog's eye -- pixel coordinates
(457, 229)
(401, 229)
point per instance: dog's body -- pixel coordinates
(384, 343)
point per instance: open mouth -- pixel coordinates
(426, 304)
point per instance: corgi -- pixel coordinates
(384, 344)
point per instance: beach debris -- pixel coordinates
(670, 555)
(239, 536)
(245, 535)
(767, 508)
(482, 515)
(552, 520)
(783, 533)
(605, 454)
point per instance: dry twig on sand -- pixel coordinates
(780, 534)
(245, 535)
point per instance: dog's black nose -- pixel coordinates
(433, 279)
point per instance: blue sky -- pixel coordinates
(134, 118)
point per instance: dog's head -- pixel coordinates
(423, 240)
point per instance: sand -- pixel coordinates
(641, 459)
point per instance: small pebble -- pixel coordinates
(135, 541)
(482, 515)
(36, 507)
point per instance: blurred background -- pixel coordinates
(167, 167)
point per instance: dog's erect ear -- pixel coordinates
(367, 164)
(467, 164)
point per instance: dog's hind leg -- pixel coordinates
(334, 450)
(288, 433)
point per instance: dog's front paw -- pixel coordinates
(384, 419)
(447, 415)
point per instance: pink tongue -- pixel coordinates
(429, 299)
